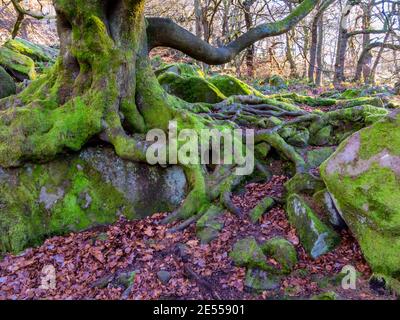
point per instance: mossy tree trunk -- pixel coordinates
(103, 87)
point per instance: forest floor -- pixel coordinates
(94, 264)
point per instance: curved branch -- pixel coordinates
(366, 51)
(22, 11)
(165, 33)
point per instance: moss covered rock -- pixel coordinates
(264, 205)
(34, 51)
(181, 69)
(79, 191)
(363, 177)
(20, 66)
(282, 251)
(304, 183)
(231, 86)
(324, 200)
(7, 84)
(277, 82)
(300, 138)
(247, 253)
(210, 224)
(322, 136)
(191, 88)
(316, 237)
(316, 157)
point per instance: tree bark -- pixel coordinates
(342, 44)
(318, 74)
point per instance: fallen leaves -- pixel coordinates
(83, 259)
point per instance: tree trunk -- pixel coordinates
(250, 50)
(101, 84)
(366, 24)
(313, 49)
(339, 76)
(318, 76)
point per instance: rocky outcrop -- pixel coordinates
(75, 192)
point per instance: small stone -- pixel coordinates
(164, 276)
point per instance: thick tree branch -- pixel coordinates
(165, 33)
(366, 51)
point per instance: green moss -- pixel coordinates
(181, 69)
(316, 237)
(303, 183)
(283, 252)
(300, 138)
(351, 94)
(57, 198)
(371, 210)
(191, 88)
(322, 137)
(18, 63)
(330, 295)
(261, 150)
(7, 84)
(317, 156)
(264, 205)
(231, 86)
(27, 48)
(307, 100)
(247, 253)
(277, 82)
(368, 198)
(383, 135)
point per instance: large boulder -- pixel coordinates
(363, 177)
(79, 191)
(190, 88)
(7, 84)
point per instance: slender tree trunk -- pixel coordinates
(318, 76)
(339, 76)
(250, 50)
(366, 39)
(313, 49)
(198, 18)
(289, 56)
(306, 43)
